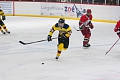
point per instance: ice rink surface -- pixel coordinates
(24, 62)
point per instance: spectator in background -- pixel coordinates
(64, 0)
(119, 2)
(112, 2)
(52, 0)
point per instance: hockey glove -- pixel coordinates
(81, 27)
(91, 26)
(49, 38)
(3, 18)
(89, 21)
(118, 33)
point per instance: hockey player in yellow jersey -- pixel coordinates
(2, 25)
(63, 36)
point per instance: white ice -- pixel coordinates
(24, 62)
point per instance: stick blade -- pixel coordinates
(22, 42)
(106, 53)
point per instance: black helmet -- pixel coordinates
(61, 20)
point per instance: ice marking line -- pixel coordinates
(8, 70)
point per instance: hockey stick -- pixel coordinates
(82, 25)
(76, 29)
(112, 46)
(34, 41)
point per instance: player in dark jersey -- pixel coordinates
(63, 36)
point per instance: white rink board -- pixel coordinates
(27, 8)
(100, 12)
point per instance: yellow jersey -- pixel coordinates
(66, 29)
(1, 14)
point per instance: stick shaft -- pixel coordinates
(35, 41)
(76, 29)
(40, 41)
(112, 46)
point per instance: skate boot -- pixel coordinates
(89, 45)
(3, 32)
(86, 45)
(56, 57)
(8, 32)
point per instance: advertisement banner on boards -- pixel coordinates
(51, 9)
(62, 9)
(74, 10)
(7, 7)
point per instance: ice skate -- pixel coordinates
(56, 57)
(8, 32)
(86, 46)
(3, 32)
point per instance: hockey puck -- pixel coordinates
(42, 62)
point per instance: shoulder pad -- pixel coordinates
(65, 26)
(56, 25)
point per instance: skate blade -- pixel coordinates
(85, 47)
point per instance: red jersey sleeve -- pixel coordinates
(82, 20)
(91, 17)
(117, 27)
(91, 25)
